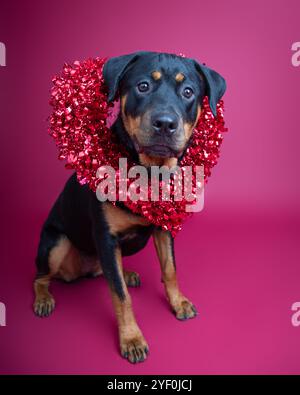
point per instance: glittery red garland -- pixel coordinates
(78, 125)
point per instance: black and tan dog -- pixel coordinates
(161, 96)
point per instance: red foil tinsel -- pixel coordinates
(78, 125)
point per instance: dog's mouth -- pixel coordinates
(156, 150)
(161, 151)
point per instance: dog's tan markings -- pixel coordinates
(59, 255)
(65, 263)
(132, 279)
(182, 307)
(123, 103)
(156, 75)
(189, 127)
(198, 114)
(120, 221)
(148, 161)
(179, 77)
(68, 264)
(44, 302)
(132, 125)
(133, 346)
(188, 130)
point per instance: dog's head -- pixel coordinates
(161, 96)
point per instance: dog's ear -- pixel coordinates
(215, 85)
(113, 71)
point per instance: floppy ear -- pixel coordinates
(215, 84)
(113, 71)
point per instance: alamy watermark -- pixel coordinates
(157, 183)
(295, 59)
(2, 54)
(2, 314)
(296, 316)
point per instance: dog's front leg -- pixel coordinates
(132, 343)
(164, 244)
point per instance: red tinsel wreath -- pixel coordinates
(79, 127)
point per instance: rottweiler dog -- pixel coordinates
(160, 102)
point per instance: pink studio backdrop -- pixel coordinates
(238, 260)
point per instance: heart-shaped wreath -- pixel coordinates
(80, 129)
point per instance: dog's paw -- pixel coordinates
(44, 306)
(132, 279)
(184, 310)
(134, 349)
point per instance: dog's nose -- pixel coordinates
(165, 123)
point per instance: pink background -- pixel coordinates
(238, 260)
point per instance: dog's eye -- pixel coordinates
(188, 92)
(143, 86)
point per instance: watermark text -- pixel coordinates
(2, 314)
(296, 315)
(2, 55)
(296, 54)
(157, 183)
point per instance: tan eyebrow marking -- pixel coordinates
(156, 75)
(179, 77)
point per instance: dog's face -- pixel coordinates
(161, 96)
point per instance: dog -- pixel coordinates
(160, 102)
